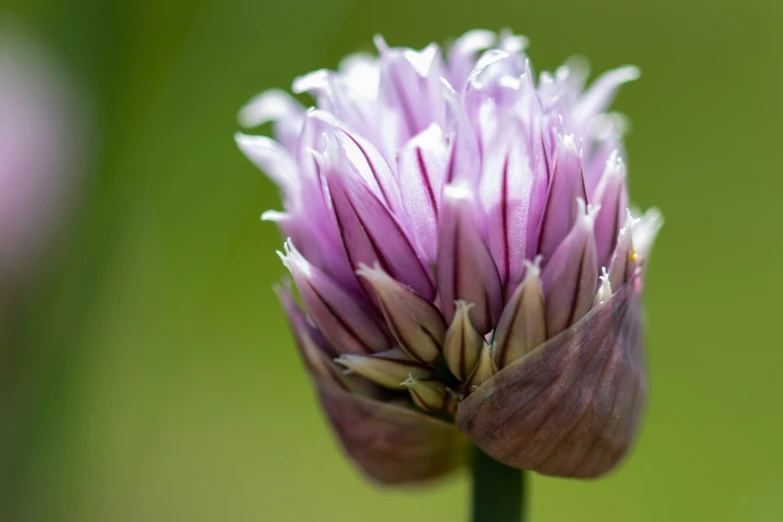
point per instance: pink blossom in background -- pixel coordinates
(40, 132)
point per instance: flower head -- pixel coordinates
(460, 237)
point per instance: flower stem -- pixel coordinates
(498, 491)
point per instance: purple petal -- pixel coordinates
(279, 107)
(565, 186)
(335, 95)
(422, 163)
(465, 267)
(505, 189)
(601, 93)
(274, 160)
(463, 53)
(570, 278)
(560, 91)
(369, 231)
(493, 95)
(623, 264)
(612, 198)
(410, 87)
(464, 163)
(302, 327)
(371, 165)
(345, 320)
(307, 219)
(604, 138)
(361, 71)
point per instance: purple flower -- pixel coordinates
(40, 133)
(468, 267)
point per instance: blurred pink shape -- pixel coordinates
(41, 130)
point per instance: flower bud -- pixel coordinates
(387, 369)
(416, 324)
(449, 261)
(462, 345)
(428, 395)
(485, 368)
(522, 326)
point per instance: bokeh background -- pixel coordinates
(148, 372)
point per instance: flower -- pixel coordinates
(469, 270)
(40, 145)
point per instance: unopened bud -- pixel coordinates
(522, 326)
(386, 369)
(415, 322)
(485, 369)
(463, 343)
(428, 395)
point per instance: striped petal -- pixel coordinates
(369, 231)
(466, 270)
(506, 185)
(570, 278)
(421, 166)
(342, 318)
(612, 197)
(414, 321)
(565, 186)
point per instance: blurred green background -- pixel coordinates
(154, 377)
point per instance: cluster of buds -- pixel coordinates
(468, 267)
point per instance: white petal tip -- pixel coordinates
(457, 192)
(475, 40)
(645, 230)
(371, 273)
(629, 73)
(380, 43)
(312, 82)
(462, 306)
(274, 216)
(604, 289)
(533, 268)
(270, 105)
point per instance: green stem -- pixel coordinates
(498, 491)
